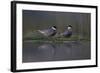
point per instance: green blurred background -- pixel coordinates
(38, 20)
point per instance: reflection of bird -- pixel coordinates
(68, 32)
(46, 50)
(49, 32)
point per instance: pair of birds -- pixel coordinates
(52, 31)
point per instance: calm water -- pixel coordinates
(70, 50)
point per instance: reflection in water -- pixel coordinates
(71, 50)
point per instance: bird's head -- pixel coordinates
(54, 27)
(69, 27)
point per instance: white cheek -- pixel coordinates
(69, 28)
(53, 28)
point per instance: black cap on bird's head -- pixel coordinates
(54, 27)
(70, 25)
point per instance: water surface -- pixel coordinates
(43, 51)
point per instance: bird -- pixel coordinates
(67, 32)
(49, 32)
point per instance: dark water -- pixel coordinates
(70, 50)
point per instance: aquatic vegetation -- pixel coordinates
(55, 39)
